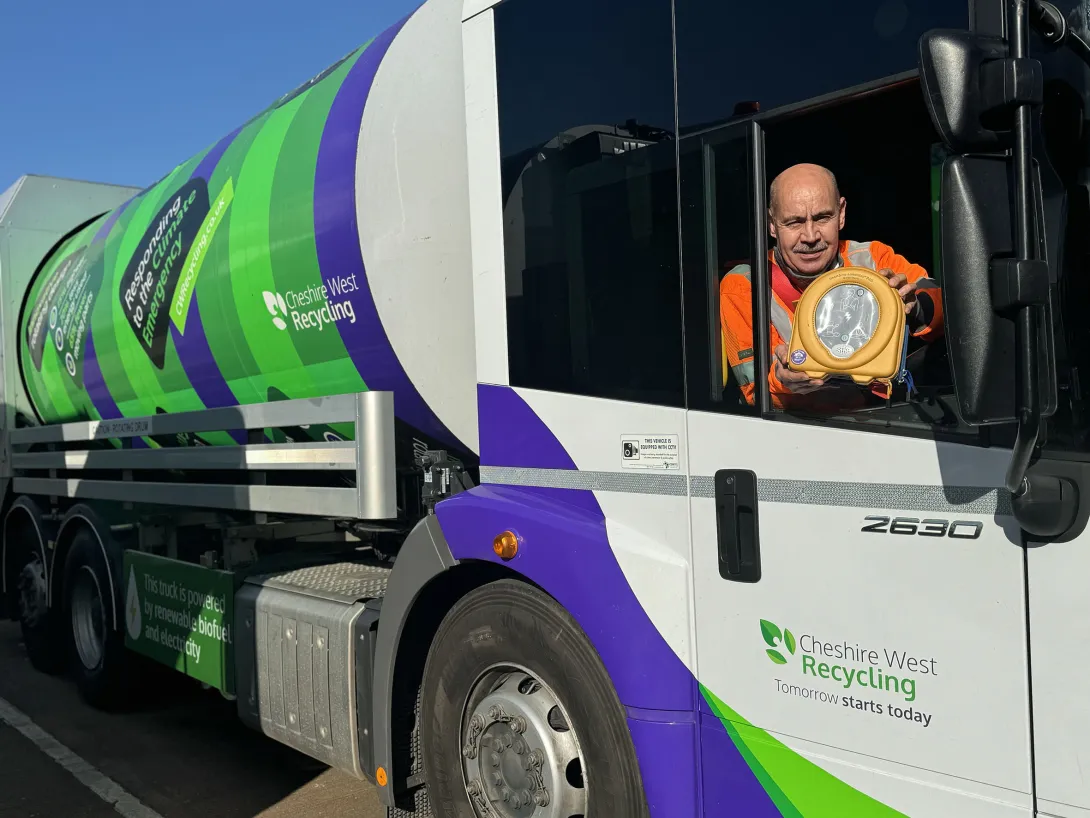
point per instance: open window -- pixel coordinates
(880, 144)
(746, 111)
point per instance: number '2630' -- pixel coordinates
(958, 529)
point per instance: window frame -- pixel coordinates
(755, 128)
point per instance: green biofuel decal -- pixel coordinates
(873, 681)
(206, 289)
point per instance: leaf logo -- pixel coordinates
(274, 302)
(773, 636)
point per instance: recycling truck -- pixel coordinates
(401, 416)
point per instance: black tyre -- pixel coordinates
(520, 714)
(97, 655)
(43, 638)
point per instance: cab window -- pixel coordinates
(864, 125)
(589, 187)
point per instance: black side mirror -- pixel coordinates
(952, 66)
(982, 92)
(979, 306)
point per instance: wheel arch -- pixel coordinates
(427, 581)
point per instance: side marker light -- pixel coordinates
(506, 545)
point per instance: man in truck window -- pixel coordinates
(805, 216)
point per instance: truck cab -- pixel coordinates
(517, 527)
(849, 613)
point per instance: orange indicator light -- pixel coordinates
(506, 545)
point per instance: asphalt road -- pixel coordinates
(179, 754)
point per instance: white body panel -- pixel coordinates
(1059, 621)
(412, 185)
(649, 533)
(485, 205)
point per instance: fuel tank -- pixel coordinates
(320, 248)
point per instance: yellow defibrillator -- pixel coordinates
(851, 323)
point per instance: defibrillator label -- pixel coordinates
(659, 452)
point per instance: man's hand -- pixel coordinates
(798, 382)
(905, 288)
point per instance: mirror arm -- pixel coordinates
(1053, 27)
(1029, 414)
(1043, 505)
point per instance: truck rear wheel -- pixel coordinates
(521, 718)
(96, 649)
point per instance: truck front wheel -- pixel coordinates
(520, 718)
(37, 621)
(97, 649)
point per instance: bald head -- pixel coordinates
(805, 176)
(805, 216)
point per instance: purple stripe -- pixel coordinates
(336, 234)
(730, 787)
(95, 383)
(671, 782)
(111, 220)
(512, 435)
(200, 365)
(194, 353)
(207, 165)
(566, 551)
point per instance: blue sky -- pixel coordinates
(122, 91)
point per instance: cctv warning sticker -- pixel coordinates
(661, 452)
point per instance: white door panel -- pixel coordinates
(1052, 809)
(943, 732)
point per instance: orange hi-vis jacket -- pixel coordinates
(736, 320)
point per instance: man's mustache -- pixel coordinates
(811, 248)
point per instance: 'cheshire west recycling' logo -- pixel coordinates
(276, 306)
(773, 636)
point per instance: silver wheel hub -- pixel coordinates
(88, 618)
(519, 756)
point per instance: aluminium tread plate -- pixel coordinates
(345, 582)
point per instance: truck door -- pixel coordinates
(859, 580)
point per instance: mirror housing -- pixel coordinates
(977, 256)
(950, 72)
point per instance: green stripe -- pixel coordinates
(215, 296)
(294, 259)
(251, 266)
(198, 252)
(798, 787)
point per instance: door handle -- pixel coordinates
(737, 525)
